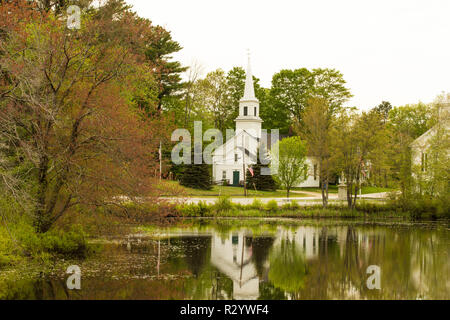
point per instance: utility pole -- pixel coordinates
(243, 166)
(160, 160)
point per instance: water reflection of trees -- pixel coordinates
(414, 264)
(287, 267)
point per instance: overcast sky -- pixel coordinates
(394, 50)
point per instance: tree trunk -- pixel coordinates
(349, 195)
(324, 193)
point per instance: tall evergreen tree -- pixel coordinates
(259, 181)
(168, 72)
(197, 176)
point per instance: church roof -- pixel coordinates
(219, 149)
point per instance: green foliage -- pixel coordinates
(290, 162)
(223, 204)
(288, 268)
(158, 53)
(292, 205)
(272, 206)
(8, 251)
(200, 209)
(410, 120)
(291, 90)
(423, 209)
(197, 176)
(259, 181)
(257, 204)
(19, 239)
(55, 241)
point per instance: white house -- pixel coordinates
(420, 146)
(232, 159)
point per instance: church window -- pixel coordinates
(255, 112)
(224, 175)
(424, 162)
(235, 157)
(245, 111)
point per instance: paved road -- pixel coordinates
(314, 198)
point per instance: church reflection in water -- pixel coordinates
(314, 262)
(231, 259)
(245, 258)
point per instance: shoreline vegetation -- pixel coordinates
(223, 207)
(72, 238)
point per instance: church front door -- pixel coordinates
(235, 178)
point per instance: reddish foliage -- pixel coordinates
(68, 94)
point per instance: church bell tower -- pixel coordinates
(248, 118)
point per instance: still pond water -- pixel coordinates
(254, 259)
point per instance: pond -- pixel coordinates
(254, 259)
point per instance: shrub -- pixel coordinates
(286, 206)
(257, 204)
(195, 210)
(223, 203)
(72, 242)
(295, 205)
(272, 206)
(7, 248)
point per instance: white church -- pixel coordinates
(232, 159)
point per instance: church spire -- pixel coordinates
(249, 91)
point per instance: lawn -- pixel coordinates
(369, 189)
(173, 188)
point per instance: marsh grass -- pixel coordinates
(225, 208)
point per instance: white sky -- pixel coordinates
(394, 50)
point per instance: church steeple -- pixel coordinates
(249, 91)
(248, 119)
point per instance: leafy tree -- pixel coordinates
(71, 134)
(356, 143)
(316, 131)
(405, 124)
(212, 98)
(411, 120)
(292, 89)
(290, 92)
(291, 162)
(431, 159)
(384, 108)
(275, 115)
(329, 84)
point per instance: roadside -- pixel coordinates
(312, 198)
